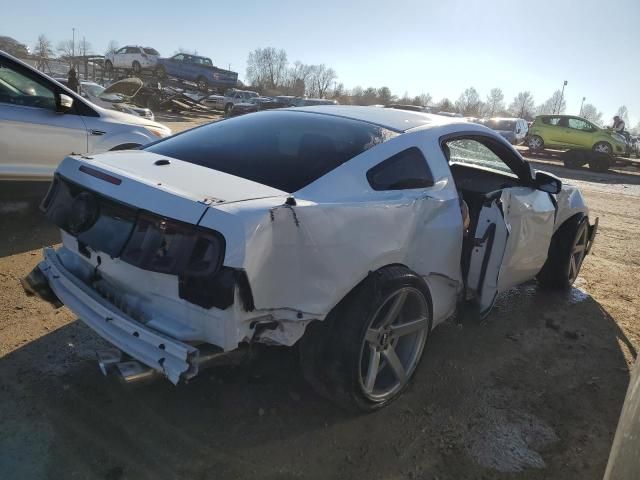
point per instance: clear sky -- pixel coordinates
(436, 47)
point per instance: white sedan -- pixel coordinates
(42, 121)
(349, 231)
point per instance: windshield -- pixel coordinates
(203, 61)
(151, 51)
(507, 125)
(93, 89)
(284, 150)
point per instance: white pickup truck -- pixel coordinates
(229, 99)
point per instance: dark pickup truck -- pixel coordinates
(199, 70)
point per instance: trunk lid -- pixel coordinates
(166, 186)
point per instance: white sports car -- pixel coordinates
(349, 231)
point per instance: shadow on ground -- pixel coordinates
(535, 389)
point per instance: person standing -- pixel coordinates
(72, 81)
(618, 124)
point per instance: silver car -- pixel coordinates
(42, 121)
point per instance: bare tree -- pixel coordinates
(591, 113)
(267, 67)
(66, 48)
(424, 99)
(623, 113)
(84, 47)
(469, 103)
(495, 103)
(385, 97)
(445, 105)
(554, 104)
(297, 79)
(522, 106)
(112, 47)
(43, 52)
(321, 79)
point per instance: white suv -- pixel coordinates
(132, 57)
(41, 122)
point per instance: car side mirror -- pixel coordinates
(63, 103)
(547, 183)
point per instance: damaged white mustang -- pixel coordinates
(350, 231)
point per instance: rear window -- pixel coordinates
(284, 150)
(150, 51)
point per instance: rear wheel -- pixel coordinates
(203, 85)
(566, 254)
(535, 143)
(603, 147)
(367, 350)
(135, 66)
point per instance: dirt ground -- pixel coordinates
(533, 392)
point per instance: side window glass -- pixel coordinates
(578, 124)
(471, 152)
(405, 170)
(551, 120)
(18, 89)
(122, 50)
(178, 58)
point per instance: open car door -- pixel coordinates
(511, 241)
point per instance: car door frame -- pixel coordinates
(40, 171)
(495, 265)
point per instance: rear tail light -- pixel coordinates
(167, 246)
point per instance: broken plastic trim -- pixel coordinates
(217, 290)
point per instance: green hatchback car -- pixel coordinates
(569, 132)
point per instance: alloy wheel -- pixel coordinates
(393, 344)
(578, 250)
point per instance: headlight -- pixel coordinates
(158, 132)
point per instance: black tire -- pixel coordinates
(556, 273)
(535, 143)
(135, 66)
(227, 108)
(332, 352)
(203, 85)
(599, 162)
(574, 159)
(108, 66)
(603, 147)
(161, 72)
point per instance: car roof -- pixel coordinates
(389, 118)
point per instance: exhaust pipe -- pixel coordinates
(134, 372)
(129, 371)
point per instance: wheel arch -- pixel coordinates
(570, 203)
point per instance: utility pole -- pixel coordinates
(73, 42)
(229, 67)
(583, 99)
(561, 96)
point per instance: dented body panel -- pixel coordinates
(291, 257)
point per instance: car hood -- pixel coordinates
(188, 180)
(127, 87)
(121, 117)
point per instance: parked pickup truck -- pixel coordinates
(199, 70)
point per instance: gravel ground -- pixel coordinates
(533, 392)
